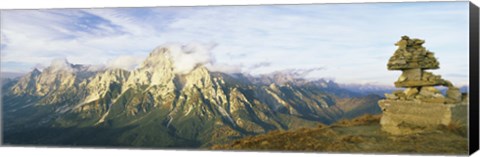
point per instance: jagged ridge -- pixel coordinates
(201, 107)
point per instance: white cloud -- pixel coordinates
(125, 62)
(296, 73)
(186, 57)
(225, 68)
(287, 37)
(60, 64)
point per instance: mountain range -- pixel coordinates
(152, 106)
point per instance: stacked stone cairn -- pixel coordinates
(420, 106)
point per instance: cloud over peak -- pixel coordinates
(126, 62)
(60, 64)
(188, 56)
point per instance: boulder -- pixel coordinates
(411, 92)
(430, 55)
(428, 91)
(400, 94)
(402, 44)
(413, 74)
(426, 75)
(402, 78)
(454, 94)
(438, 95)
(438, 100)
(398, 61)
(391, 96)
(409, 117)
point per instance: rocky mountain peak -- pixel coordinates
(26, 84)
(172, 94)
(101, 83)
(60, 76)
(200, 77)
(35, 72)
(59, 65)
(111, 75)
(200, 71)
(159, 57)
(156, 69)
(63, 67)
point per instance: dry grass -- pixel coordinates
(456, 127)
(360, 135)
(362, 120)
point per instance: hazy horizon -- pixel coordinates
(323, 39)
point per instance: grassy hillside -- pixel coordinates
(360, 135)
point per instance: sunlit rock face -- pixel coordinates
(174, 102)
(420, 106)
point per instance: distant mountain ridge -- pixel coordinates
(368, 88)
(152, 106)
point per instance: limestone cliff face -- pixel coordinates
(104, 83)
(55, 84)
(157, 69)
(27, 83)
(189, 105)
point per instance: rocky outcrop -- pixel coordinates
(420, 106)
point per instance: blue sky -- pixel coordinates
(349, 43)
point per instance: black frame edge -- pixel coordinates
(474, 79)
